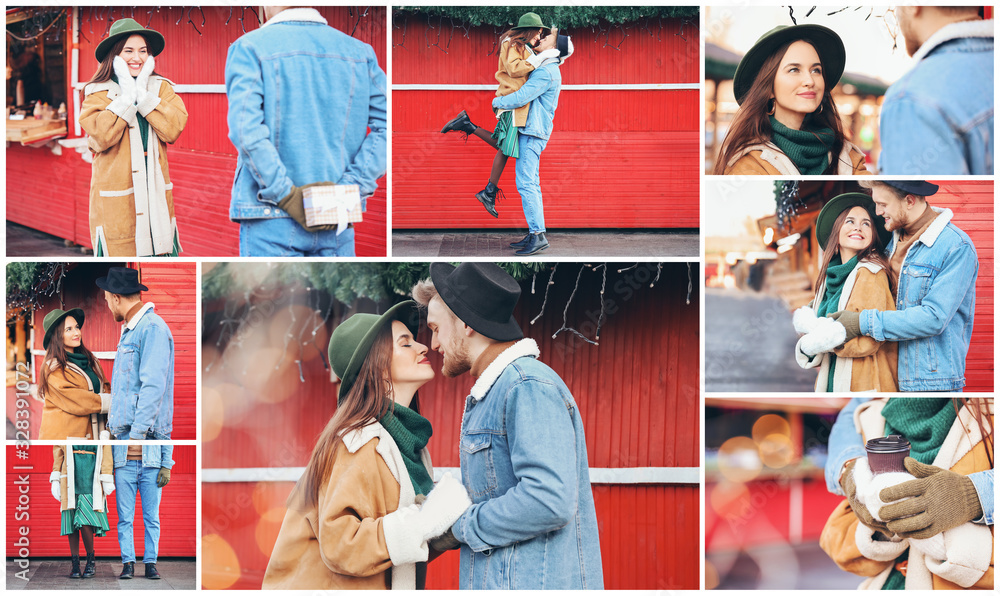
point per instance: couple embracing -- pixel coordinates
(367, 514)
(896, 293)
(81, 404)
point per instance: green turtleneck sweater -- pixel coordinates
(411, 431)
(809, 149)
(81, 361)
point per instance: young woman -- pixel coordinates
(516, 61)
(787, 123)
(71, 382)
(130, 113)
(82, 475)
(854, 275)
(364, 510)
(951, 455)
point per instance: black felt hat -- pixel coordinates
(121, 280)
(482, 295)
(914, 187)
(828, 45)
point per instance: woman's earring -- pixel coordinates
(770, 108)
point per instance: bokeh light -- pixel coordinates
(770, 424)
(776, 451)
(220, 566)
(212, 414)
(728, 499)
(266, 532)
(739, 460)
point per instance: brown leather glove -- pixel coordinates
(850, 491)
(850, 320)
(939, 500)
(292, 204)
(446, 541)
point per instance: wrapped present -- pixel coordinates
(334, 204)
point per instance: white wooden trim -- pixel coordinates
(595, 87)
(597, 475)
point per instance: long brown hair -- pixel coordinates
(56, 353)
(751, 124)
(106, 68)
(518, 38)
(872, 254)
(369, 398)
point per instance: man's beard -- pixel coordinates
(456, 360)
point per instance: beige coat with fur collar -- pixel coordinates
(131, 197)
(74, 408)
(766, 159)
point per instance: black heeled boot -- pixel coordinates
(460, 123)
(75, 572)
(488, 197)
(91, 569)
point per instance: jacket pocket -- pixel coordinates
(117, 209)
(916, 279)
(477, 464)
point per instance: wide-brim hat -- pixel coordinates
(482, 295)
(352, 340)
(124, 28)
(914, 187)
(840, 203)
(828, 45)
(52, 320)
(530, 20)
(121, 280)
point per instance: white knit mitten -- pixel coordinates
(54, 479)
(804, 320)
(407, 530)
(825, 336)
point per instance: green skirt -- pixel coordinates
(84, 466)
(506, 134)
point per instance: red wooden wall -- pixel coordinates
(637, 393)
(203, 161)
(616, 158)
(972, 203)
(177, 509)
(172, 288)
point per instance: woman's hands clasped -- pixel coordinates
(125, 81)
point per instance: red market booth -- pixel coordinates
(50, 177)
(172, 288)
(28, 485)
(637, 392)
(624, 151)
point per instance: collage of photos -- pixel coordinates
(478, 297)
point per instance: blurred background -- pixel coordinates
(766, 501)
(623, 336)
(876, 57)
(761, 263)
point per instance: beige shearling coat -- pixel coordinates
(766, 159)
(73, 408)
(131, 196)
(513, 69)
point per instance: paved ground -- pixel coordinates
(53, 574)
(781, 567)
(750, 344)
(25, 242)
(592, 244)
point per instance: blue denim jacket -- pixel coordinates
(532, 524)
(142, 380)
(935, 307)
(153, 456)
(542, 91)
(302, 97)
(846, 444)
(938, 118)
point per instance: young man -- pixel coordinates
(936, 265)
(523, 451)
(938, 118)
(142, 408)
(302, 97)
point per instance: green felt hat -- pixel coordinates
(352, 340)
(52, 320)
(840, 203)
(828, 45)
(125, 28)
(530, 20)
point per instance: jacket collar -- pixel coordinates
(525, 347)
(296, 14)
(962, 30)
(135, 318)
(932, 232)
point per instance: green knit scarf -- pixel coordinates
(411, 431)
(809, 150)
(924, 422)
(81, 361)
(836, 275)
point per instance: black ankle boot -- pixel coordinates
(461, 123)
(91, 569)
(536, 243)
(128, 571)
(75, 572)
(488, 197)
(521, 243)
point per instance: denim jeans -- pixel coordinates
(130, 479)
(528, 184)
(284, 237)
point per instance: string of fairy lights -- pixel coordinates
(245, 309)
